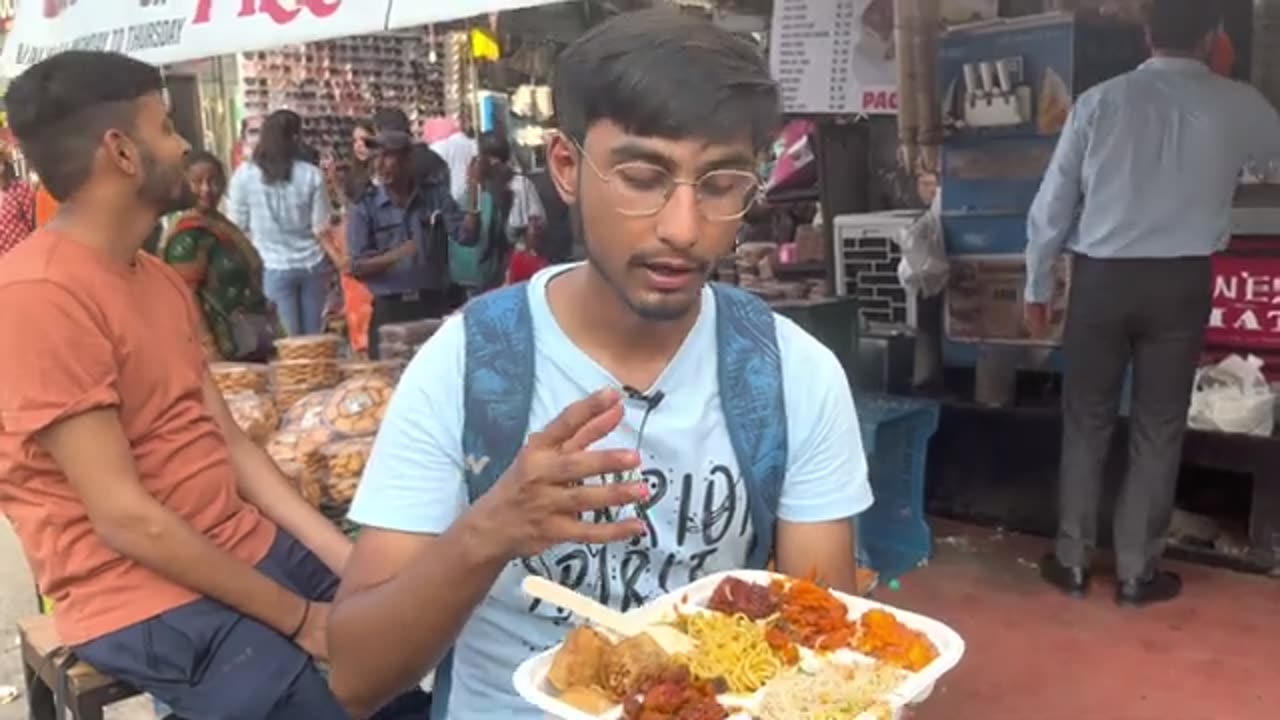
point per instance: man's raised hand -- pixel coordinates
(538, 502)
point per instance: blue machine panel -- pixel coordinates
(1040, 44)
(985, 234)
(1008, 87)
(996, 175)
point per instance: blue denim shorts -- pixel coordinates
(206, 661)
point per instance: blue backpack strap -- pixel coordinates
(751, 397)
(497, 384)
(442, 684)
(497, 396)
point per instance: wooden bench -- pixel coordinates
(47, 665)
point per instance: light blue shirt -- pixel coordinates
(284, 219)
(1146, 167)
(699, 523)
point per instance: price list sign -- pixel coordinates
(816, 57)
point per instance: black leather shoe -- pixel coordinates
(1156, 588)
(1073, 581)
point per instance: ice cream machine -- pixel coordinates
(1008, 86)
(995, 94)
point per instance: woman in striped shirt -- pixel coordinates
(281, 202)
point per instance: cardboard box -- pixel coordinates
(985, 297)
(810, 246)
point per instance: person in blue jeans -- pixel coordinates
(281, 202)
(622, 496)
(214, 632)
(299, 295)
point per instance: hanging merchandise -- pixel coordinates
(335, 84)
(533, 102)
(457, 78)
(494, 110)
(796, 166)
(179, 30)
(484, 46)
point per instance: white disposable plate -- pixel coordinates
(530, 678)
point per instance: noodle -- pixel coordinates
(732, 648)
(833, 692)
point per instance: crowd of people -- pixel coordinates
(178, 556)
(616, 424)
(285, 243)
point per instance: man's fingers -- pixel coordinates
(573, 467)
(574, 418)
(587, 498)
(576, 531)
(596, 428)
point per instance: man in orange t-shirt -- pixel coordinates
(178, 557)
(46, 206)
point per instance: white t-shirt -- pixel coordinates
(525, 203)
(699, 522)
(457, 150)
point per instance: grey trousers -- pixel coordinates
(1151, 313)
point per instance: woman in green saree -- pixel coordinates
(222, 269)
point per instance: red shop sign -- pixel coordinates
(280, 11)
(1246, 303)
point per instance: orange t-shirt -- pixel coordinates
(46, 206)
(83, 332)
(1222, 57)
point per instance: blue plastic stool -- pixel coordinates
(894, 535)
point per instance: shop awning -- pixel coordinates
(180, 30)
(412, 13)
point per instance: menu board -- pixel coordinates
(834, 56)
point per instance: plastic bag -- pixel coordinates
(924, 268)
(1233, 397)
(796, 165)
(255, 414)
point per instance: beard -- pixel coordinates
(165, 187)
(649, 312)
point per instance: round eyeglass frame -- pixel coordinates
(608, 178)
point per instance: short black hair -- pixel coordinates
(494, 145)
(204, 157)
(391, 119)
(1180, 25)
(664, 73)
(60, 108)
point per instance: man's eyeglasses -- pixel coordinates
(641, 189)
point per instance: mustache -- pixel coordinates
(697, 263)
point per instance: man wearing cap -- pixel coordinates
(398, 234)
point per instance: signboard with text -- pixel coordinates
(1246, 303)
(169, 31)
(162, 32)
(834, 56)
(1245, 317)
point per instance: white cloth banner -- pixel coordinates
(411, 13)
(172, 31)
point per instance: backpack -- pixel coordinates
(498, 396)
(481, 263)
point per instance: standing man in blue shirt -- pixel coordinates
(662, 118)
(398, 235)
(1139, 191)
